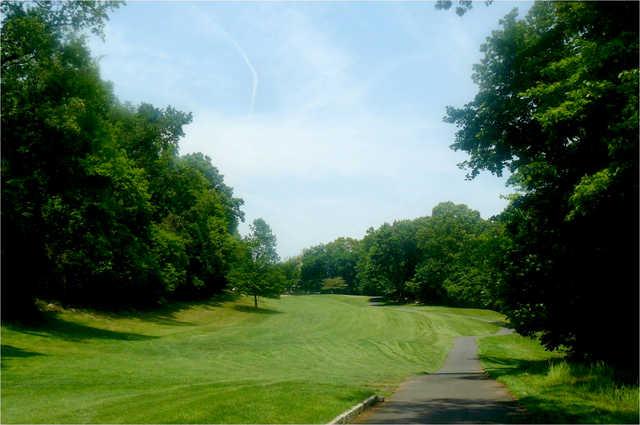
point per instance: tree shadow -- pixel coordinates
(54, 326)
(379, 301)
(259, 310)
(447, 410)
(161, 314)
(515, 366)
(9, 351)
(48, 323)
(166, 314)
(549, 409)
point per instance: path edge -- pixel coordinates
(350, 414)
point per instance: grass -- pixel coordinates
(554, 390)
(300, 359)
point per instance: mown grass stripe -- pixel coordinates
(301, 359)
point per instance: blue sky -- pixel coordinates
(326, 118)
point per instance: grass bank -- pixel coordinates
(554, 390)
(300, 359)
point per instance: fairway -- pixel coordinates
(299, 359)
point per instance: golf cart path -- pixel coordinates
(460, 392)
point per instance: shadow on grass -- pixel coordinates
(382, 301)
(259, 310)
(166, 314)
(54, 326)
(556, 404)
(552, 411)
(162, 314)
(9, 351)
(511, 366)
(48, 323)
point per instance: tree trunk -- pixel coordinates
(255, 301)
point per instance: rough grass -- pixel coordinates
(300, 359)
(554, 390)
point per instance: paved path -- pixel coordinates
(460, 392)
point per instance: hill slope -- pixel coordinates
(300, 359)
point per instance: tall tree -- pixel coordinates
(558, 107)
(255, 272)
(313, 268)
(54, 124)
(389, 256)
(335, 259)
(98, 206)
(445, 237)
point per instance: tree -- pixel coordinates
(342, 259)
(335, 259)
(334, 284)
(290, 269)
(445, 238)
(255, 272)
(463, 5)
(313, 268)
(99, 208)
(388, 260)
(557, 106)
(63, 175)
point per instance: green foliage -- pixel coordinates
(558, 107)
(451, 257)
(99, 208)
(60, 17)
(256, 272)
(262, 243)
(335, 259)
(554, 390)
(313, 268)
(459, 251)
(334, 285)
(463, 5)
(290, 270)
(389, 258)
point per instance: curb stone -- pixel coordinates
(348, 415)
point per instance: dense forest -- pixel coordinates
(99, 208)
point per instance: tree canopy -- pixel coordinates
(449, 257)
(557, 106)
(98, 206)
(255, 272)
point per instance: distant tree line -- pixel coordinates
(450, 257)
(98, 207)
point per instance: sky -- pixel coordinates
(326, 118)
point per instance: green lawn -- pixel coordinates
(300, 359)
(554, 390)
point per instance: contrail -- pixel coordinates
(254, 73)
(210, 25)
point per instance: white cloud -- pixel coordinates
(279, 146)
(325, 164)
(316, 180)
(313, 156)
